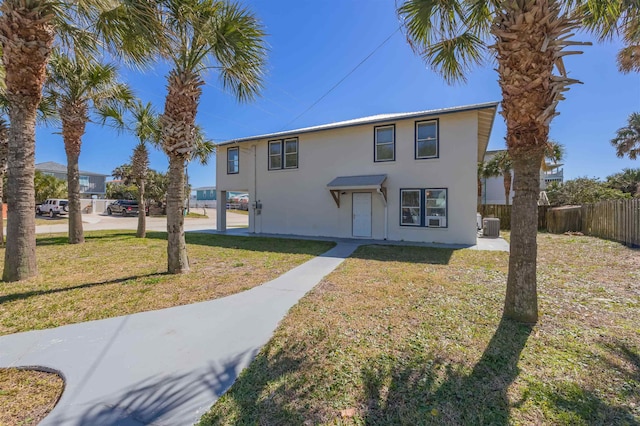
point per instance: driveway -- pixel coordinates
(98, 222)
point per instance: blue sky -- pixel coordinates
(314, 44)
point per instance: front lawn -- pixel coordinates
(113, 273)
(27, 396)
(405, 335)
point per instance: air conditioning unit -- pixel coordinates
(436, 222)
(491, 227)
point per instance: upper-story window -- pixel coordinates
(283, 154)
(233, 160)
(427, 139)
(385, 143)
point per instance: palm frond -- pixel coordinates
(240, 50)
(627, 140)
(203, 148)
(75, 81)
(145, 123)
(629, 58)
(132, 30)
(454, 58)
(449, 34)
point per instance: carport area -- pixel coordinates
(227, 219)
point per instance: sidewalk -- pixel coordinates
(164, 367)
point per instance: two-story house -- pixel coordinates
(408, 176)
(90, 183)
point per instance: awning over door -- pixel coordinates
(360, 182)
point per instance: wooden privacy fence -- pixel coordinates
(503, 213)
(617, 220)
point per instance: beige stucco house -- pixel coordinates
(408, 176)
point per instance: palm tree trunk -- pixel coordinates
(76, 235)
(27, 36)
(525, 32)
(20, 254)
(74, 119)
(178, 262)
(4, 152)
(507, 186)
(521, 301)
(177, 126)
(1, 210)
(142, 211)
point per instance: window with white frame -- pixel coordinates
(233, 160)
(385, 144)
(426, 207)
(427, 139)
(283, 154)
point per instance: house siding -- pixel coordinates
(297, 201)
(97, 184)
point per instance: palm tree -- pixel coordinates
(199, 32)
(527, 39)
(28, 31)
(81, 90)
(4, 148)
(501, 165)
(146, 127)
(140, 168)
(627, 140)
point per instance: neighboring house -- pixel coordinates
(90, 183)
(205, 193)
(409, 176)
(493, 188)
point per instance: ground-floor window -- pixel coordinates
(426, 207)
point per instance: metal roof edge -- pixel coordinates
(365, 120)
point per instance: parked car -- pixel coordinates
(53, 207)
(240, 202)
(125, 208)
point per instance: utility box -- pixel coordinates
(491, 227)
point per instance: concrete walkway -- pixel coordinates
(164, 367)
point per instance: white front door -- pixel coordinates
(362, 214)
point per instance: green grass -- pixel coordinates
(197, 215)
(405, 335)
(243, 212)
(56, 220)
(113, 273)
